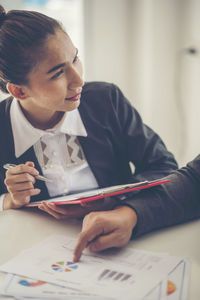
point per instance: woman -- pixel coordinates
(81, 136)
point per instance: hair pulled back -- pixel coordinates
(22, 35)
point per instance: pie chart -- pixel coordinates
(62, 266)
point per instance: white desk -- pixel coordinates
(22, 228)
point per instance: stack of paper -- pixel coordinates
(47, 271)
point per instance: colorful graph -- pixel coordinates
(62, 266)
(108, 274)
(27, 283)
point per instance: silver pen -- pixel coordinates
(39, 177)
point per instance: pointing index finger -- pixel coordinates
(84, 239)
(80, 246)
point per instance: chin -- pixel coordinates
(72, 105)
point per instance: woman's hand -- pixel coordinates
(20, 185)
(106, 229)
(76, 210)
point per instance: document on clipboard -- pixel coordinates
(100, 193)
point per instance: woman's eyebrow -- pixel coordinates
(56, 67)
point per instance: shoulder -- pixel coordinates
(102, 93)
(5, 114)
(5, 106)
(97, 97)
(97, 86)
(98, 90)
(194, 167)
(2, 106)
(108, 101)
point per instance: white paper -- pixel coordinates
(110, 274)
(26, 287)
(15, 285)
(176, 285)
(178, 281)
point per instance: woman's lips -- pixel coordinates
(74, 98)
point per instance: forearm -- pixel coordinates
(173, 203)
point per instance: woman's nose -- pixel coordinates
(76, 80)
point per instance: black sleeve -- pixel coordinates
(143, 147)
(172, 203)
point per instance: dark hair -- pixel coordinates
(22, 35)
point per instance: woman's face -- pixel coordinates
(55, 83)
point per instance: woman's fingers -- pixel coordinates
(21, 169)
(20, 184)
(61, 212)
(23, 197)
(20, 178)
(50, 211)
(76, 210)
(17, 187)
(30, 163)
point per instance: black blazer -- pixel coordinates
(172, 203)
(116, 136)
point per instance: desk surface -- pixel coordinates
(22, 228)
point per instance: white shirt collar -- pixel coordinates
(25, 135)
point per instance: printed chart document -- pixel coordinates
(109, 274)
(174, 287)
(100, 193)
(26, 287)
(23, 287)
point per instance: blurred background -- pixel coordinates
(149, 48)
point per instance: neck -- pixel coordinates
(43, 123)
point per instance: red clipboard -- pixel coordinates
(100, 193)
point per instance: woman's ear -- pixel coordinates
(16, 91)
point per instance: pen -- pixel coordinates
(124, 186)
(39, 177)
(103, 191)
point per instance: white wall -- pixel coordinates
(155, 25)
(141, 46)
(190, 78)
(107, 44)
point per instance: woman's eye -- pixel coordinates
(57, 74)
(75, 59)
